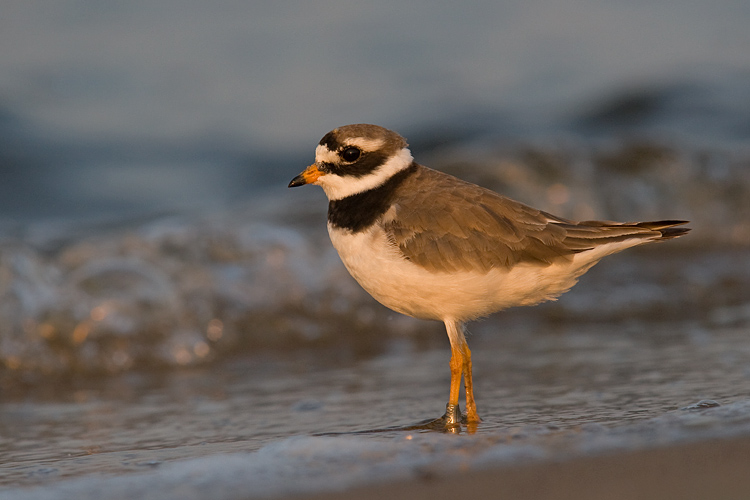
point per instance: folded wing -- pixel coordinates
(474, 229)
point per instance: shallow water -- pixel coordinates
(567, 383)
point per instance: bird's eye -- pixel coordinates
(350, 154)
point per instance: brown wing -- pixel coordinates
(444, 224)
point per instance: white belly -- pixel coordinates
(407, 288)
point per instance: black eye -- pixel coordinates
(350, 154)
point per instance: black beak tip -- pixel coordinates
(297, 181)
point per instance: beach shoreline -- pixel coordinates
(714, 468)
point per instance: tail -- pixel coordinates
(587, 235)
(666, 228)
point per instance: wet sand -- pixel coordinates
(715, 469)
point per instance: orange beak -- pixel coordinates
(309, 176)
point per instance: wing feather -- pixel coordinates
(467, 227)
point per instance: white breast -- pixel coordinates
(407, 288)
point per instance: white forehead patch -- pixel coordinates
(325, 155)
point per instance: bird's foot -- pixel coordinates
(452, 416)
(450, 422)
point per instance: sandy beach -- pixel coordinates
(715, 469)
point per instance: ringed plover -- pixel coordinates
(432, 246)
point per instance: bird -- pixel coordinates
(432, 246)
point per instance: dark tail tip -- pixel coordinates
(667, 228)
(673, 232)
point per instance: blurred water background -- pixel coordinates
(154, 265)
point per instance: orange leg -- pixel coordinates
(452, 411)
(471, 406)
(460, 365)
(457, 365)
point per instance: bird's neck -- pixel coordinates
(359, 211)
